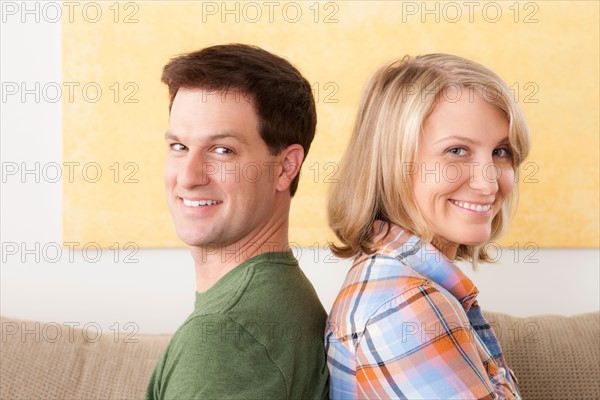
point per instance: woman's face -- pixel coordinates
(465, 169)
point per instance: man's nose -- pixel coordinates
(195, 171)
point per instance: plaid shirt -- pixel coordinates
(406, 325)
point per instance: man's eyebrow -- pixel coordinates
(211, 138)
(170, 136)
(228, 134)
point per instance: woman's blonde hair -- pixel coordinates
(375, 180)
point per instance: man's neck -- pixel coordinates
(212, 262)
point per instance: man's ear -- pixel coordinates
(291, 160)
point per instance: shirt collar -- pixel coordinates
(424, 259)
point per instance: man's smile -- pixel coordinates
(200, 203)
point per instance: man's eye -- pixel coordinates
(177, 147)
(223, 150)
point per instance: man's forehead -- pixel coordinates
(224, 94)
(219, 135)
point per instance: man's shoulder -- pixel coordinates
(268, 326)
(209, 332)
(279, 306)
(268, 293)
(206, 353)
(281, 278)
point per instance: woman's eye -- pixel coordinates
(177, 147)
(457, 151)
(502, 152)
(223, 150)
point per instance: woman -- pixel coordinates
(428, 178)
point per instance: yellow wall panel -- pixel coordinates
(546, 51)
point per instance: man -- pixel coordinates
(241, 123)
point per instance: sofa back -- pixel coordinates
(553, 357)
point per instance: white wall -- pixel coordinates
(157, 292)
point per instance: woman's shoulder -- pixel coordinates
(373, 282)
(398, 270)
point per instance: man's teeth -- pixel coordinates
(473, 207)
(198, 203)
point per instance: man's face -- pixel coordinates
(220, 178)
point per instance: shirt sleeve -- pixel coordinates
(215, 357)
(420, 346)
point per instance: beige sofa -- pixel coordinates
(553, 357)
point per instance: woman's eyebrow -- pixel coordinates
(454, 137)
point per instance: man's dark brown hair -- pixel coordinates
(282, 97)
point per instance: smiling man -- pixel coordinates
(241, 123)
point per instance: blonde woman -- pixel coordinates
(428, 178)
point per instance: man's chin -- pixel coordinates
(193, 241)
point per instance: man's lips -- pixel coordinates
(200, 202)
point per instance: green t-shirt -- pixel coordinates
(256, 334)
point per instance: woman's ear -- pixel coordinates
(291, 161)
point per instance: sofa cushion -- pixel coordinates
(553, 357)
(54, 361)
